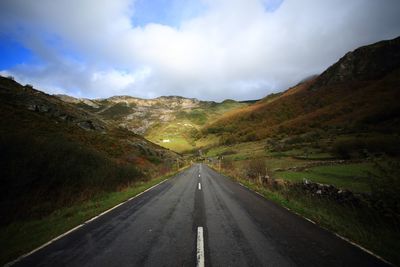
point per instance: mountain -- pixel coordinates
(170, 121)
(357, 94)
(54, 154)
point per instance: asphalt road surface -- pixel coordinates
(200, 217)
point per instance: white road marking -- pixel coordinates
(199, 186)
(200, 247)
(199, 175)
(79, 226)
(320, 226)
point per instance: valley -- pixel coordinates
(327, 148)
(170, 121)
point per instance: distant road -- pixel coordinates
(206, 219)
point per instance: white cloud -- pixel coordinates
(235, 49)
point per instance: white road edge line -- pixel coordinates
(199, 186)
(200, 247)
(79, 226)
(326, 229)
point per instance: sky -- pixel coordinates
(206, 49)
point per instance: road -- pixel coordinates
(161, 228)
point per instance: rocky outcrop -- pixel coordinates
(366, 63)
(73, 100)
(27, 97)
(159, 102)
(328, 191)
(140, 115)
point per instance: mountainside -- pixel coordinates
(54, 153)
(170, 121)
(359, 93)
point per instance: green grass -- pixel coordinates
(178, 144)
(180, 131)
(24, 236)
(357, 224)
(285, 162)
(246, 150)
(196, 116)
(354, 177)
(116, 111)
(207, 141)
(177, 132)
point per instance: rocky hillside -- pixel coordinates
(54, 154)
(135, 114)
(358, 94)
(371, 62)
(170, 121)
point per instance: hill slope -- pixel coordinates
(54, 154)
(170, 121)
(359, 93)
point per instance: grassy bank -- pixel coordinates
(24, 236)
(359, 224)
(354, 177)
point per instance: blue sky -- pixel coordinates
(13, 53)
(209, 49)
(165, 12)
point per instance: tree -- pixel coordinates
(256, 169)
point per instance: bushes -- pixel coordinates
(228, 139)
(43, 174)
(361, 147)
(215, 130)
(256, 169)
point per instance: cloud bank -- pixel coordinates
(240, 49)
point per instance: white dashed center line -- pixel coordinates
(200, 247)
(199, 186)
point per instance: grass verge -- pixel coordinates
(24, 236)
(354, 223)
(354, 177)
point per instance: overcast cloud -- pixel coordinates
(212, 49)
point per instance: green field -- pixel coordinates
(183, 134)
(239, 151)
(354, 177)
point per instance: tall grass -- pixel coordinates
(42, 174)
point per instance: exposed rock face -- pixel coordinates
(66, 112)
(136, 114)
(27, 97)
(73, 100)
(365, 63)
(162, 101)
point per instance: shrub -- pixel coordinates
(227, 164)
(228, 139)
(360, 147)
(256, 169)
(41, 174)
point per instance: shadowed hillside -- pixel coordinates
(54, 155)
